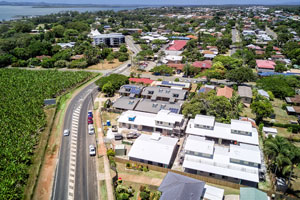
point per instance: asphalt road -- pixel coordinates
(86, 176)
(62, 170)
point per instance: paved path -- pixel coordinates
(102, 152)
(140, 179)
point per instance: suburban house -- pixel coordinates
(265, 66)
(293, 110)
(263, 93)
(247, 193)
(177, 66)
(235, 163)
(111, 39)
(225, 92)
(144, 81)
(165, 122)
(126, 103)
(236, 132)
(173, 85)
(164, 94)
(150, 106)
(130, 90)
(245, 94)
(206, 64)
(177, 45)
(175, 186)
(293, 100)
(206, 88)
(171, 59)
(270, 131)
(154, 150)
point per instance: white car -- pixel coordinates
(66, 132)
(91, 129)
(92, 150)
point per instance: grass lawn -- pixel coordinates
(110, 116)
(296, 182)
(281, 115)
(101, 164)
(136, 187)
(106, 65)
(103, 191)
(152, 174)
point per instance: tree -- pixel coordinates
(61, 64)
(110, 58)
(5, 60)
(240, 75)
(280, 67)
(108, 89)
(262, 109)
(162, 70)
(228, 61)
(48, 63)
(123, 57)
(58, 31)
(123, 48)
(280, 86)
(217, 71)
(117, 81)
(209, 104)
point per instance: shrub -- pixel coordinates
(145, 169)
(111, 153)
(289, 129)
(283, 107)
(176, 80)
(128, 165)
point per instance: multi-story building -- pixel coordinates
(164, 94)
(235, 163)
(236, 132)
(165, 122)
(111, 39)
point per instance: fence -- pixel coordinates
(195, 176)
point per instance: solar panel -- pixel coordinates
(174, 110)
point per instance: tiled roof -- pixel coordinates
(266, 64)
(206, 64)
(141, 80)
(178, 45)
(226, 92)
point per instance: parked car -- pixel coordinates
(114, 128)
(90, 121)
(66, 132)
(92, 150)
(128, 65)
(118, 136)
(132, 135)
(91, 129)
(90, 113)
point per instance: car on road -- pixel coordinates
(90, 113)
(92, 150)
(91, 129)
(66, 132)
(90, 121)
(90, 117)
(129, 65)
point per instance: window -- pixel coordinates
(175, 95)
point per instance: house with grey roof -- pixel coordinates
(180, 187)
(245, 94)
(126, 103)
(263, 93)
(150, 106)
(164, 94)
(130, 90)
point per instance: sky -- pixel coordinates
(161, 2)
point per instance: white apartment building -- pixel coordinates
(165, 122)
(111, 39)
(235, 163)
(234, 133)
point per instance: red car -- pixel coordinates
(90, 121)
(90, 117)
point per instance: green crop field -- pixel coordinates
(22, 94)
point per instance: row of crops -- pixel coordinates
(22, 94)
